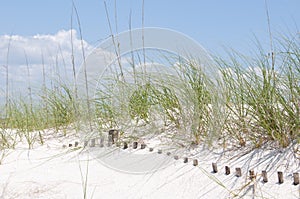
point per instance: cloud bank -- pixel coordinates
(24, 58)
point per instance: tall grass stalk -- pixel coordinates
(143, 36)
(131, 47)
(7, 80)
(88, 103)
(116, 45)
(74, 72)
(84, 178)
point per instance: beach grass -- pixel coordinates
(257, 102)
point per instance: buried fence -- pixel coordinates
(113, 136)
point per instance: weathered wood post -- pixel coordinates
(227, 170)
(296, 178)
(93, 142)
(159, 151)
(85, 144)
(101, 141)
(195, 162)
(185, 160)
(125, 145)
(238, 172)
(280, 177)
(110, 137)
(215, 167)
(135, 144)
(252, 175)
(143, 146)
(113, 136)
(265, 176)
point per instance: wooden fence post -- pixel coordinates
(113, 136)
(143, 146)
(280, 177)
(296, 178)
(252, 174)
(85, 143)
(125, 145)
(195, 162)
(135, 144)
(227, 170)
(215, 168)
(185, 160)
(265, 176)
(238, 172)
(101, 140)
(93, 142)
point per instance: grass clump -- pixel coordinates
(177, 102)
(53, 109)
(140, 103)
(152, 96)
(262, 100)
(199, 93)
(61, 107)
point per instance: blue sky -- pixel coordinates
(213, 23)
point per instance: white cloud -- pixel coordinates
(33, 53)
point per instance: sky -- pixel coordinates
(39, 31)
(212, 23)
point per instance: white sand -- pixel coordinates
(51, 171)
